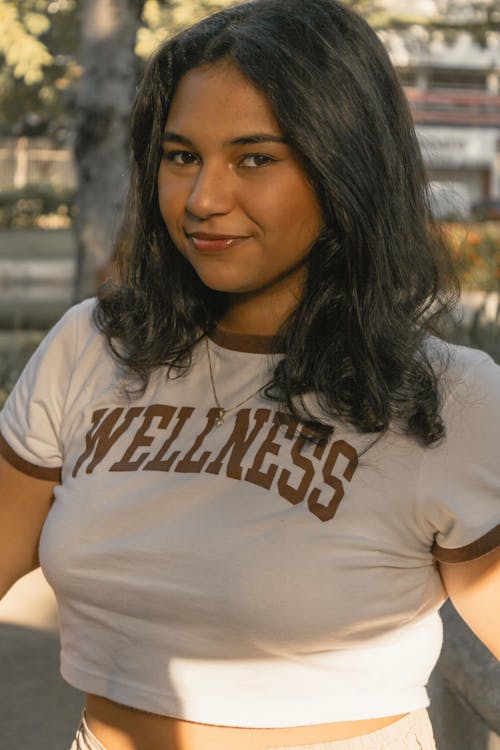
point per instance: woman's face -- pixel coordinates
(234, 197)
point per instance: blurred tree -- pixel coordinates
(20, 43)
(162, 17)
(108, 35)
(38, 45)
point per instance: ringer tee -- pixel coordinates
(238, 574)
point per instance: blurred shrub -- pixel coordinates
(42, 206)
(476, 250)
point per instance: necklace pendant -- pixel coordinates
(220, 419)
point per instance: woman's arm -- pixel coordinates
(474, 589)
(24, 504)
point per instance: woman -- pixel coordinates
(267, 475)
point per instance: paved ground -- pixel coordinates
(38, 711)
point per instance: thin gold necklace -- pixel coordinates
(223, 411)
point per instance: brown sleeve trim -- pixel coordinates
(471, 551)
(38, 472)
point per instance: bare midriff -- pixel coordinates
(119, 727)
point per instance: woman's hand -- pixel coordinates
(474, 589)
(24, 504)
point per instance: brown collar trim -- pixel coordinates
(244, 342)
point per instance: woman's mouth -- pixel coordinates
(204, 242)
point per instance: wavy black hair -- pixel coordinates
(378, 276)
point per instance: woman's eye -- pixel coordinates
(183, 158)
(256, 160)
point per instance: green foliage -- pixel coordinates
(32, 206)
(38, 46)
(476, 252)
(20, 45)
(162, 17)
(375, 11)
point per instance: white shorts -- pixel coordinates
(413, 732)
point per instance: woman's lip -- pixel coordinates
(209, 243)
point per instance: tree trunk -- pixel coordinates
(108, 33)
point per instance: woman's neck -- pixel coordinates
(258, 315)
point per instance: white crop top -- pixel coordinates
(237, 574)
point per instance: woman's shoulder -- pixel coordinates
(469, 385)
(80, 315)
(461, 366)
(73, 339)
(460, 476)
(76, 328)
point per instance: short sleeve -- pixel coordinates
(30, 422)
(460, 478)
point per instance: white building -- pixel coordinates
(454, 94)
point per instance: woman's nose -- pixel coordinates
(211, 193)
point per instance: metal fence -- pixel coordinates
(35, 161)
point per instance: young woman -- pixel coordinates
(252, 474)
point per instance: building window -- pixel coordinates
(407, 77)
(457, 79)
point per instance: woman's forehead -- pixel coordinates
(220, 96)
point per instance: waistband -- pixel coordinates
(84, 739)
(412, 732)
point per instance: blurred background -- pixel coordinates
(68, 74)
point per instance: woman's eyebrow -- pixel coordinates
(257, 138)
(240, 141)
(169, 136)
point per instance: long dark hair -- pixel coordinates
(376, 274)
